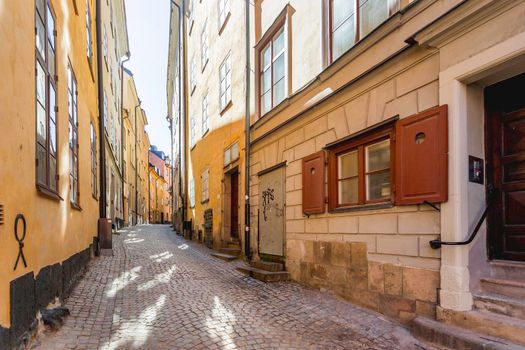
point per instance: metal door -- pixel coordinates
(271, 212)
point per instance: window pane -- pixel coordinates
(278, 68)
(53, 137)
(41, 124)
(50, 27)
(227, 156)
(40, 37)
(266, 102)
(378, 185)
(266, 57)
(40, 7)
(372, 14)
(343, 38)
(266, 80)
(52, 173)
(347, 165)
(278, 43)
(235, 151)
(348, 191)
(341, 10)
(378, 156)
(279, 92)
(51, 62)
(40, 84)
(42, 163)
(52, 102)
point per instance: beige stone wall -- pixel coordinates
(356, 253)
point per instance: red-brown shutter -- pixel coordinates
(421, 159)
(313, 184)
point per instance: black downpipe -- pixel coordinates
(247, 231)
(136, 168)
(123, 171)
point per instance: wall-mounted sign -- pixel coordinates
(475, 170)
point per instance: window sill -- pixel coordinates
(223, 24)
(90, 64)
(205, 201)
(49, 193)
(375, 206)
(94, 196)
(76, 206)
(226, 108)
(205, 132)
(204, 65)
(193, 89)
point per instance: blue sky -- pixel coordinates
(148, 31)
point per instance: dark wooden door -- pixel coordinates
(235, 206)
(505, 137)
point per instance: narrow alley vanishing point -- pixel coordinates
(159, 291)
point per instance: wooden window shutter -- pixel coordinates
(313, 183)
(421, 159)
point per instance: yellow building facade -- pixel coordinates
(215, 106)
(49, 171)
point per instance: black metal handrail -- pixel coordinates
(437, 243)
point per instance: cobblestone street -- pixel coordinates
(159, 291)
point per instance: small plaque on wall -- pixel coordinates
(475, 170)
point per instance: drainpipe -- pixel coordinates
(102, 160)
(136, 166)
(128, 56)
(247, 232)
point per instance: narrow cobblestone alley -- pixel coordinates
(159, 291)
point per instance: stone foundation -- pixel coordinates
(343, 267)
(28, 294)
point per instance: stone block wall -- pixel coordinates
(372, 257)
(395, 290)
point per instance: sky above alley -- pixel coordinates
(148, 31)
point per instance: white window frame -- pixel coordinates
(205, 182)
(225, 82)
(204, 46)
(205, 116)
(191, 191)
(193, 74)
(193, 126)
(224, 11)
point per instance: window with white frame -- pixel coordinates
(225, 76)
(193, 74)
(105, 46)
(72, 95)
(205, 195)
(224, 11)
(93, 146)
(231, 154)
(273, 72)
(193, 126)
(192, 192)
(89, 38)
(351, 20)
(205, 114)
(204, 46)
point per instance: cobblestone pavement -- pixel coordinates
(159, 291)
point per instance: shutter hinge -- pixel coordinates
(56, 78)
(57, 177)
(56, 109)
(55, 33)
(36, 161)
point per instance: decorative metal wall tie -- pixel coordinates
(20, 240)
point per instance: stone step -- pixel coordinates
(267, 266)
(510, 288)
(263, 275)
(486, 323)
(501, 305)
(512, 270)
(225, 257)
(230, 251)
(457, 338)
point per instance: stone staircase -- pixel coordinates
(497, 320)
(231, 251)
(265, 271)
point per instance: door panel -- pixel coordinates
(271, 212)
(505, 137)
(234, 210)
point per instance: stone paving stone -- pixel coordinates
(159, 291)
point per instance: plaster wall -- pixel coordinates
(55, 230)
(225, 126)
